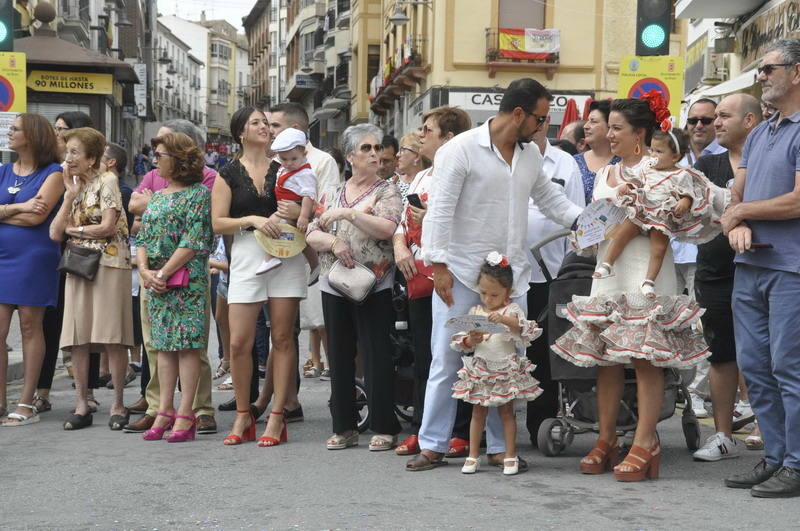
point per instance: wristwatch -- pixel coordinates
(352, 216)
(160, 274)
(80, 229)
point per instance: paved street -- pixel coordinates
(100, 479)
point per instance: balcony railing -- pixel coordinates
(342, 76)
(401, 72)
(514, 47)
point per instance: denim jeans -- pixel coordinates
(765, 309)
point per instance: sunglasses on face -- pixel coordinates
(768, 69)
(539, 119)
(705, 120)
(366, 148)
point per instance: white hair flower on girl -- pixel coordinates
(496, 259)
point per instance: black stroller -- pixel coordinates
(576, 385)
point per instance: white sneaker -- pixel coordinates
(268, 265)
(699, 407)
(717, 447)
(742, 415)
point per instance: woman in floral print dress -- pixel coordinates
(176, 236)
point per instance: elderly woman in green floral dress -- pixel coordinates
(174, 242)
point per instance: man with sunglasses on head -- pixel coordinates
(700, 128)
(478, 204)
(765, 209)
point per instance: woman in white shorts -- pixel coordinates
(242, 202)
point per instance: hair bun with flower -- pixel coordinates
(496, 259)
(659, 107)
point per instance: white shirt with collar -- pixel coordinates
(325, 170)
(479, 203)
(713, 148)
(560, 168)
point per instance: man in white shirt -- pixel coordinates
(562, 170)
(479, 204)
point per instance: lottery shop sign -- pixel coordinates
(72, 82)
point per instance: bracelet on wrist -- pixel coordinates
(333, 243)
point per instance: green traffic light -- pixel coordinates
(653, 36)
(3, 31)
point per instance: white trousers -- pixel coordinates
(440, 407)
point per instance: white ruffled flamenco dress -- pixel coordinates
(616, 323)
(495, 374)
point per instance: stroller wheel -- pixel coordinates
(553, 437)
(362, 409)
(691, 432)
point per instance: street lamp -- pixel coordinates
(399, 18)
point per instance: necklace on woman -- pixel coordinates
(18, 182)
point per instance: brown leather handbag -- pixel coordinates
(80, 261)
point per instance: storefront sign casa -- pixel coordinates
(73, 82)
(778, 19)
(638, 75)
(490, 101)
(13, 97)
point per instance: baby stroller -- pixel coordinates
(403, 356)
(577, 392)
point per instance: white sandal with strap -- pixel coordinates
(648, 289)
(604, 270)
(471, 465)
(18, 419)
(510, 466)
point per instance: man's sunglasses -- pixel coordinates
(693, 121)
(767, 69)
(367, 147)
(539, 119)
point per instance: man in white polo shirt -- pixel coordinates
(479, 204)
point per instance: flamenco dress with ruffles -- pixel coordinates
(616, 323)
(495, 374)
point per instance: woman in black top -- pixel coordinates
(243, 201)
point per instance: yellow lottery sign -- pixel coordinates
(638, 75)
(73, 82)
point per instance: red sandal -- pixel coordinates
(265, 441)
(608, 455)
(249, 434)
(457, 448)
(643, 462)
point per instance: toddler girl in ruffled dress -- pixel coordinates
(495, 375)
(664, 201)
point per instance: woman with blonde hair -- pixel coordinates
(172, 253)
(97, 302)
(409, 163)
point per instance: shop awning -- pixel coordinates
(48, 49)
(740, 82)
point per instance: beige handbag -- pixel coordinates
(353, 284)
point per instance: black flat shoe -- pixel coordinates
(295, 415)
(760, 473)
(230, 405)
(258, 412)
(118, 422)
(78, 422)
(784, 484)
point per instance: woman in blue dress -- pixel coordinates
(30, 189)
(599, 156)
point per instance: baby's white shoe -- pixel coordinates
(604, 270)
(471, 465)
(510, 466)
(268, 265)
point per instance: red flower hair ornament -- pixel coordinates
(659, 108)
(496, 259)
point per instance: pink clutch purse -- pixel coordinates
(178, 279)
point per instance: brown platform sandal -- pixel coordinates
(607, 453)
(643, 462)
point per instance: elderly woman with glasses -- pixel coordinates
(409, 163)
(357, 226)
(97, 312)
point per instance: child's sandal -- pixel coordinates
(604, 270)
(471, 465)
(643, 463)
(648, 289)
(510, 466)
(604, 456)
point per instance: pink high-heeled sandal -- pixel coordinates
(183, 435)
(156, 433)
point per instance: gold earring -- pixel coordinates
(637, 149)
